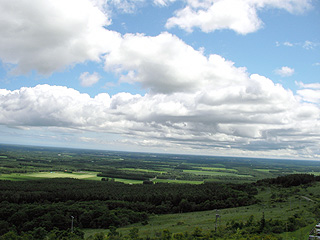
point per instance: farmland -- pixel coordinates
(120, 194)
(37, 175)
(34, 162)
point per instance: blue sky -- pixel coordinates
(217, 77)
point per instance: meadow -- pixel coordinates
(294, 203)
(39, 175)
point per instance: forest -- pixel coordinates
(43, 207)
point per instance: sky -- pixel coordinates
(213, 77)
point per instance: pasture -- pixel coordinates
(38, 175)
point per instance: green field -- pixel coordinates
(215, 173)
(37, 175)
(263, 170)
(218, 169)
(142, 170)
(176, 181)
(128, 181)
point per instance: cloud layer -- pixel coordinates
(49, 35)
(253, 116)
(193, 102)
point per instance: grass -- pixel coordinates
(263, 170)
(215, 173)
(128, 181)
(143, 170)
(218, 169)
(176, 181)
(37, 175)
(182, 222)
(16, 177)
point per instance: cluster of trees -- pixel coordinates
(41, 234)
(290, 180)
(263, 225)
(196, 234)
(200, 197)
(94, 214)
(50, 203)
(134, 175)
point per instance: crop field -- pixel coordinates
(176, 181)
(128, 181)
(218, 169)
(143, 170)
(215, 173)
(37, 175)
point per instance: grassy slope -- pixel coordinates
(183, 222)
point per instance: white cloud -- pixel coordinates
(310, 95)
(288, 44)
(47, 36)
(308, 85)
(88, 79)
(285, 71)
(126, 6)
(309, 45)
(310, 92)
(193, 101)
(245, 117)
(163, 2)
(166, 64)
(237, 15)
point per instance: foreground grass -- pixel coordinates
(206, 220)
(187, 222)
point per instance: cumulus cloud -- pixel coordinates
(238, 15)
(193, 101)
(284, 71)
(47, 36)
(165, 64)
(251, 115)
(310, 92)
(310, 95)
(88, 79)
(308, 85)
